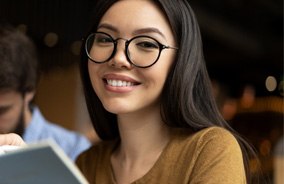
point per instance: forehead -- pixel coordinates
(128, 15)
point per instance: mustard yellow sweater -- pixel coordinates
(209, 156)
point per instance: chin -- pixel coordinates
(117, 110)
(117, 106)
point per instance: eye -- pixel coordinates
(147, 45)
(103, 39)
(4, 109)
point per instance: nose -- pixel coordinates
(119, 59)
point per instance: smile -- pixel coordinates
(119, 83)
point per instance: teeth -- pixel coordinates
(119, 83)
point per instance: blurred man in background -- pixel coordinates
(18, 79)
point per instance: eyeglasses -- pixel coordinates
(141, 51)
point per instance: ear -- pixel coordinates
(29, 97)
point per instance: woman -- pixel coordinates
(149, 97)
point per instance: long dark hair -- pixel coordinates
(103, 121)
(187, 99)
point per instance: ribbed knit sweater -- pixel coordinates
(210, 156)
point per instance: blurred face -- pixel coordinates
(122, 87)
(11, 110)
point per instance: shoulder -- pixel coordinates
(216, 141)
(209, 145)
(61, 134)
(215, 136)
(215, 153)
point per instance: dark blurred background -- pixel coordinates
(243, 48)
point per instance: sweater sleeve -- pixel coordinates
(219, 160)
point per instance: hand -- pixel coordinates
(11, 139)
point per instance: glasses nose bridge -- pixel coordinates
(125, 49)
(126, 42)
(125, 46)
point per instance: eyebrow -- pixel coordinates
(108, 26)
(138, 31)
(149, 30)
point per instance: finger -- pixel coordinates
(11, 139)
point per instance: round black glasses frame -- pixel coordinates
(115, 41)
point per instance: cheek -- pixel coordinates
(162, 68)
(93, 72)
(165, 69)
(155, 78)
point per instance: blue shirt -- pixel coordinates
(39, 129)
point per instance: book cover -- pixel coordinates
(39, 163)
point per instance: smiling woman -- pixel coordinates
(150, 100)
(149, 97)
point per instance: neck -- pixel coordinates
(141, 136)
